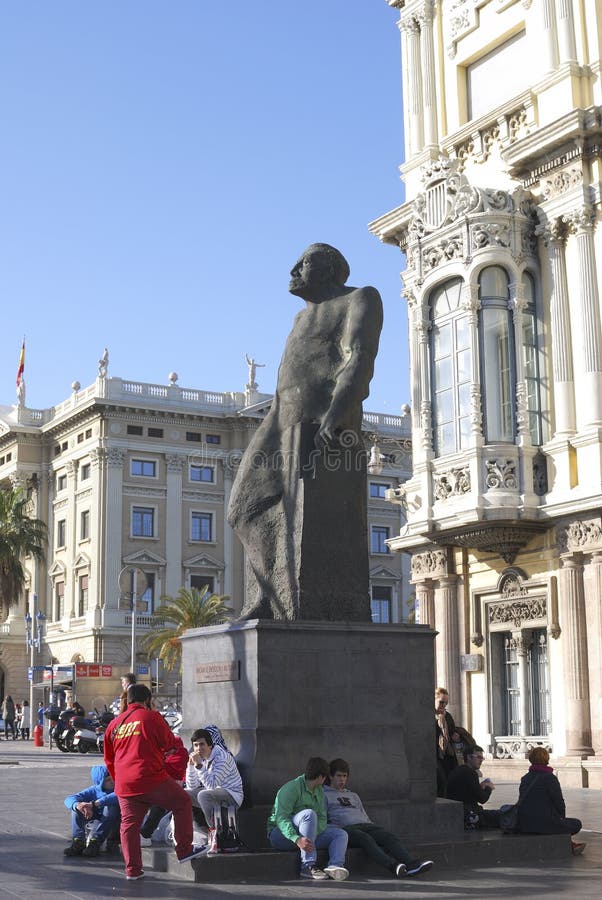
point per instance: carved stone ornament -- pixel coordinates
(517, 748)
(561, 182)
(516, 612)
(430, 564)
(580, 535)
(510, 584)
(501, 474)
(453, 483)
(175, 462)
(504, 540)
(115, 457)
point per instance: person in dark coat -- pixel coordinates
(464, 785)
(445, 735)
(9, 715)
(542, 810)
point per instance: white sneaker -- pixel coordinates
(145, 842)
(337, 872)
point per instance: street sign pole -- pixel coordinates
(133, 654)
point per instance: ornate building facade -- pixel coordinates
(503, 246)
(128, 474)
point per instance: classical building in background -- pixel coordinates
(139, 475)
(503, 246)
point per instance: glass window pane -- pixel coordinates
(442, 341)
(446, 438)
(444, 407)
(493, 282)
(443, 373)
(464, 432)
(462, 333)
(464, 365)
(497, 381)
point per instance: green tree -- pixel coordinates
(188, 609)
(20, 535)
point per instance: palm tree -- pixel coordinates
(188, 609)
(20, 535)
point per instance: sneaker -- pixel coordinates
(145, 842)
(76, 847)
(134, 877)
(93, 848)
(196, 851)
(311, 871)
(577, 848)
(400, 870)
(338, 873)
(415, 867)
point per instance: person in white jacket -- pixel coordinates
(212, 778)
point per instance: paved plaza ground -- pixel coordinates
(35, 828)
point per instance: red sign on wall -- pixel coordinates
(92, 670)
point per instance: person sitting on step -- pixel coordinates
(345, 809)
(463, 784)
(298, 821)
(212, 780)
(96, 809)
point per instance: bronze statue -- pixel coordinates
(298, 503)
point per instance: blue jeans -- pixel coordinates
(101, 826)
(306, 823)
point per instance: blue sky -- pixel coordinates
(163, 165)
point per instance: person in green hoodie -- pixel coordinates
(298, 821)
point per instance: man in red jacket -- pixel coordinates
(135, 745)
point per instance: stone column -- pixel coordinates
(521, 645)
(590, 408)
(72, 526)
(566, 31)
(574, 637)
(114, 529)
(426, 417)
(594, 631)
(173, 524)
(228, 538)
(562, 355)
(447, 649)
(549, 37)
(413, 96)
(425, 602)
(431, 135)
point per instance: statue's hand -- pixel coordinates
(326, 434)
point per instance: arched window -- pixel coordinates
(498, 377)
(531, 361)
(451, 368)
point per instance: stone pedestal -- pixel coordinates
(282, 692)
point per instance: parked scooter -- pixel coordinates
(89, 733)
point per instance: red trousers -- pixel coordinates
(170, 796)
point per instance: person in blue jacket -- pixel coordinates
(97, 807)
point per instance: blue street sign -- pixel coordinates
(142, 670)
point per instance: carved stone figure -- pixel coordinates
(103, 364)
(298, 503)
(253, 366)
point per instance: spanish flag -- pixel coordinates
(21, 367)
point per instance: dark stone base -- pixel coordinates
(363, 692)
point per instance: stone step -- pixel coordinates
(469, 850)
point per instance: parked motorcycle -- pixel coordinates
(89, 732)
(60, 730)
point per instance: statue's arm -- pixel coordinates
(360, 346)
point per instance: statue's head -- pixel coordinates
(319, 266)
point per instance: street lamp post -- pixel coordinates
(35, 627)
